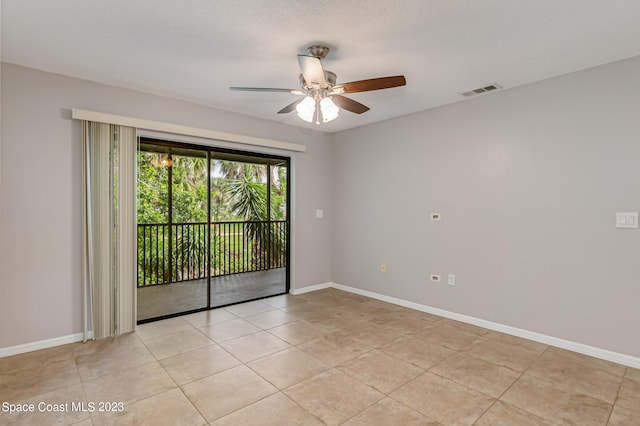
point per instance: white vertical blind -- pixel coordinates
(109, 231)
(127, 229)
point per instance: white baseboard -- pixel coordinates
(73, 338)
(43, 344)
(526, 334)
(616, 357)
(303, 290)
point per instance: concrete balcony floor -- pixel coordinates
(166, 299)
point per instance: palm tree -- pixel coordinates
(248, 195)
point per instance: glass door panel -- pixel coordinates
(173, 233)
(247, 242)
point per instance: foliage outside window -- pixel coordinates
(247, 226)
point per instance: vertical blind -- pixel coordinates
(109, 229)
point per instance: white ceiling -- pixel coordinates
(195, 49)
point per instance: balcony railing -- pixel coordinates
(189, 251)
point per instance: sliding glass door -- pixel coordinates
(213, 228)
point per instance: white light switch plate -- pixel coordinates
(319, 213)
(627, 220)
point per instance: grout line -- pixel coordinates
(296, 402)
(193, 405)
(84, 393)
(624, 374)
(561, 386)
(384, 395)
(411, 408)
(516, 381)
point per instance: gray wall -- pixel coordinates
(40, 193)
(528, 181)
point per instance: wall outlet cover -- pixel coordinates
(627, 220)
(451, 279)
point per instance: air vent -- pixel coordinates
(482, 90)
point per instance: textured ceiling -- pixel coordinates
(196, 49)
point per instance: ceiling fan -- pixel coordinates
(324, 98)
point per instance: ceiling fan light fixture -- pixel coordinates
(306, 109)
(323, 97)
(163, 161)
(329, 110)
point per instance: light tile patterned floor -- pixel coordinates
(327, 357)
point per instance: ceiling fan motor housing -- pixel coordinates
(329, 82)
(320, 51)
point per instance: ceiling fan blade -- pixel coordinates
(311, 69)
(371, 84)
(349, 104)
(266, 89)
(290, 107)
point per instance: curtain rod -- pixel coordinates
(121, 120)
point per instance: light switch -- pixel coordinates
(627, 220)
(319, 213)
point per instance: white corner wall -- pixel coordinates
(527, 181)
(40, 193)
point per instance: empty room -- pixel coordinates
(304, 213)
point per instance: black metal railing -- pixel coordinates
(180, 253)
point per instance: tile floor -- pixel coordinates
(326, 357)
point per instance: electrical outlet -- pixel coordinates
(383, 267)
(627, 220)
(451, 279)
(435, 278)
